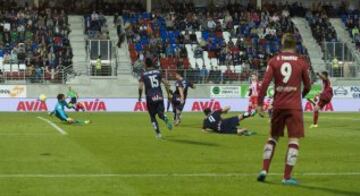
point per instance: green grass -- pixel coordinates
(124, 143)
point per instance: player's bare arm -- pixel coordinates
(265, 84)
(182, 96)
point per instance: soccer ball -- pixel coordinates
(42, 97)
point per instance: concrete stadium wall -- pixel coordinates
(105, 90)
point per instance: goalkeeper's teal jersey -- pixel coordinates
(60, 110)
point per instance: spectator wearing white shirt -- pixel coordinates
(211, 24)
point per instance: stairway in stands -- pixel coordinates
(310, 43)
(77, 40)
(341, 30)
(124, 70)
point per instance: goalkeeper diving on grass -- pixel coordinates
(60, 113)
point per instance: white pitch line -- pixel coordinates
(60, 130)
(144, 175)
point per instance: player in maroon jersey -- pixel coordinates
(324, 97)
(288, 70)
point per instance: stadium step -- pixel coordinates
(314, 50)
(341, 30)
(77, 40)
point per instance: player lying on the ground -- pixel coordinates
(151, 79)
(324, 97)
(289, 70)
(179, 96)
(60, 113)
(214, 122)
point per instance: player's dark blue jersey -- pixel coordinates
(152, 81)
(213, 121)
(182, 84)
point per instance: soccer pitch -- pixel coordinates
(118, 155)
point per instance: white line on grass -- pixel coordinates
(26, 134)
(60, 130)
(144, 175)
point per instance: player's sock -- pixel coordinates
(82, 122)
(291, 157)
(315, 117)
(174, 113)
(163, 117)
(155, 126)
(269, 150)
(270, 111)
(249, 108)
(177, 118)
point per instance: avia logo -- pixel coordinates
(199, 106)
(140, 107)
(94, 106)
(31, 106)
(327, 108)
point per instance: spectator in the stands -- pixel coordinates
(204, 73)
(215, 75)
(228, 75)
(196, 74)
(38, 73)
(98, 66)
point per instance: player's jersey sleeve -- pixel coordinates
(306, 79)
(266, 82)
(179, 84)
(60, 111)
(217, 115)
(190, 84)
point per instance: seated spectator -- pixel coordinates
(204, 74)
(228, 75)
(215, 75)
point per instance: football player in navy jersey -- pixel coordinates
(214, 122)
(151, 79)
(179, 96)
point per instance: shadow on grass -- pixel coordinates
(192, 142)
(317, 188)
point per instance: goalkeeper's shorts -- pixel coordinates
(61, 117)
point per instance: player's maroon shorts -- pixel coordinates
(253, 100)
(292, 119)
(325, 98)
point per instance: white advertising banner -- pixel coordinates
(225, 91)
(12, 91)
(347, 92)
(132, 105)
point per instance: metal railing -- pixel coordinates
(210, 76)
(341, 60)
(35, 76)
(108, 54)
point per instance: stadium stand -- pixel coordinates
(227, 44)
(34, 43)
(351, 21)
